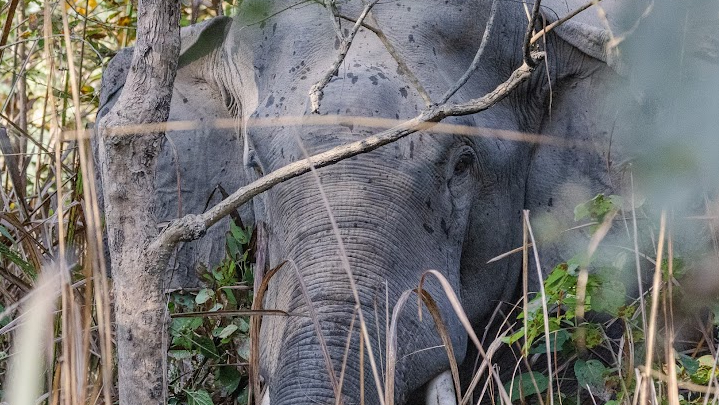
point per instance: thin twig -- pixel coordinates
(545, 310)
(637, 264)
(509, 253)
(318, 330)
(334, 15)
(8, 24)
(316, 92)
(235, 312)
(561, 21)
(651, 333)
(392, 51)
(684, 385)
(527, 47)
(475, 62)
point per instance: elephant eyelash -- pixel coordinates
(464, 163)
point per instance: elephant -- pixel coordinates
(449, 202)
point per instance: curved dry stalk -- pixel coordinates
(255, 320)
(318, 330)
(459, 311)
(422, 296)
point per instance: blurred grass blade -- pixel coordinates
(32, 341)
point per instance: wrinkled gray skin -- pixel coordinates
(428, 201)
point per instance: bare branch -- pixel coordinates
(331, 6)
(562, 20)
(527, 47)
(192, 227)
(400, 62)
(8, 25)
(475, 63)
(316, 92)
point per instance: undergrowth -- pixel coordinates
(210, 342)
(599, 358)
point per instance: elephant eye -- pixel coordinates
(464, 164)
(252, 162)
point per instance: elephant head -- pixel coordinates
(357, 234)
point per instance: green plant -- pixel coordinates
(209, 349)
(582, 345)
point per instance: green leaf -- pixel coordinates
(243, 349)
(181, 326)
(230, 295)
(204, 295)
(182, 341)
(234, 248)
(590, 373)
(597, 208)
(690, 365)
(243, 325)
(4, 232)
(593, 336)
(227, 331)
(514, 337)
(556, 341)
(179, 354)
(6, 320)
(238, 233)
(207, 346)
(227, 379)
(522, 385)
(14, 257)
(186, 302)
(610, 295)
(200, 397)
(701, 376)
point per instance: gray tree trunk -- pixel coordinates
(128, 164)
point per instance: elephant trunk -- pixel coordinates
(375, 222)
(322, 319)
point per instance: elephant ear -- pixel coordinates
(587, 117)
(196, 166)
(195, 41)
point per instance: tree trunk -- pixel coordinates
(128, 164)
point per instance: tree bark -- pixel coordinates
(128, 165)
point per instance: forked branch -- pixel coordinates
(316, 92)
(192, 227)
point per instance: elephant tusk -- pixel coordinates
(440, 390)
(266, 398)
